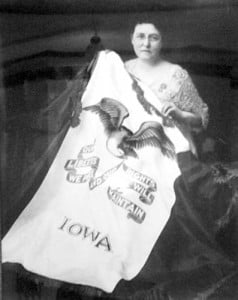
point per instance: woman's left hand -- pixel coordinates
(193, 121)
(170, 110)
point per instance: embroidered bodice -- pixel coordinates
(177, 86)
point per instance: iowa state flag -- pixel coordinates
(109, 192)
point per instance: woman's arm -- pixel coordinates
(189, 119)
(187, 107)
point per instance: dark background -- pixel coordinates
(43, 45)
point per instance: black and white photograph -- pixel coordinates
(119, 149)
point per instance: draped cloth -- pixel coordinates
(175, 254)
(101, 207)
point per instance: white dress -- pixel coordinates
(176, 86)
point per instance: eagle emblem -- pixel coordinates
(122, 142)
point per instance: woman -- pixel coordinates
(171, 83)
(185, 253)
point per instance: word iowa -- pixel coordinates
(98, 239)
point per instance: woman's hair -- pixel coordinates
(140, 21)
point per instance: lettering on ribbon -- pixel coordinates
(94, 182)
(134, 211)
(143, 185)
(76, 166)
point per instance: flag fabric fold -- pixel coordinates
(109, 192)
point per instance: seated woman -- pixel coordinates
(171, 83)
(185, 261)
(186, 257)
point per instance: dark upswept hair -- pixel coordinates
(144, 20)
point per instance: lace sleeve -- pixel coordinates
(188, 97)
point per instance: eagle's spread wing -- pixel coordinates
(104, 117)
(111, 113)
(151, 134)
(117, 111)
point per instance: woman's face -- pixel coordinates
(146, 41)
